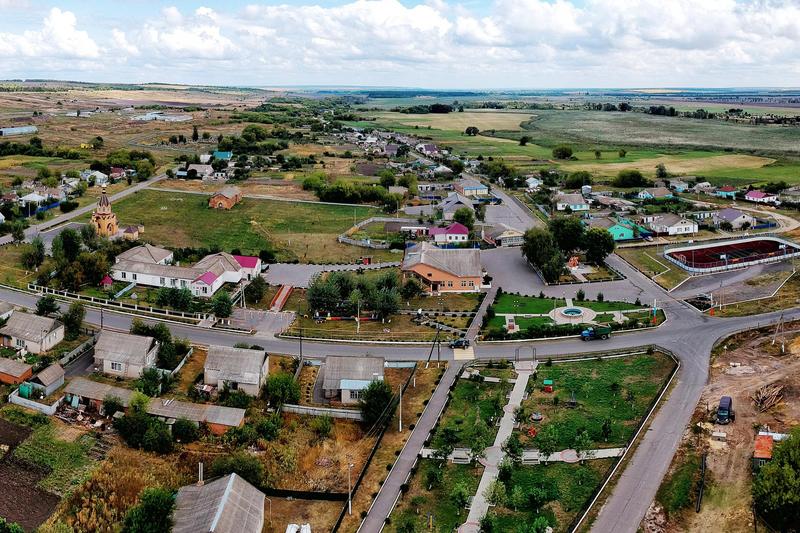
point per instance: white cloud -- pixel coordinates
(438, 43)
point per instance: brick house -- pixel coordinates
(226, 198)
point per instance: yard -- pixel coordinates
(297, 231)
(399, 327)
(619, 391)
(645, 259)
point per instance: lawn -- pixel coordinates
(470, 400)
(303, 231)
(605, 306)
(644, 259)
(398, 328)
(446, 302)
(508, 303)
(620, 390)
(11, 271)
(575, 484)
(425, 502)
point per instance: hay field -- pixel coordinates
(676, 164)
(483, 120)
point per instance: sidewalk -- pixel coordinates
(477, 320)
(494, 455)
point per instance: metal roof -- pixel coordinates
(123, 347)
(236, 364)
(155, 269)
(460, 262)
(345, 368)
(29, 327)
(50, 375)
(13, 368)
(93, 390)
(226, 505)
(147, 253)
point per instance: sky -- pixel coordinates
(438, 44)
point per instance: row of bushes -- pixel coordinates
(538, 331)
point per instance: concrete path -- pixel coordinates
(494, 455)
(477, 320)
(390, 490)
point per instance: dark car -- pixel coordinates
(459, 343)
(725, 414)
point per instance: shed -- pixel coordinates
(49, 379)
(762, 454)
(239, 368)
(13, 372)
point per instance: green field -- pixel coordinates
(508, 303)
(303, 231)
(601, 390)
(663, 272)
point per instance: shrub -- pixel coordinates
(248, 466)
(152, 514)
(322, 426)
(580, 296)
(184, 430)
(281, 388)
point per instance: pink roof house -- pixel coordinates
(455, 232)
(761, 197)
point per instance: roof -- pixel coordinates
(470, 184)
(503, 231)
(247, 261)
(226, 505)
(153, 269)
(33, 197)
(727, 188)
(208, 278)
(222, 155)
(123, 347)
(763, 447)
(218, 263)
(758, 194)
(13, 368)
(453, 200)
(456, 228)
(29, 327)
(460, 262)
(50, 375)
(571, 199)
(200, 169)
(236, 364)
(657, 192)
(146, 253)
(346, 369)
(229, 192)
(730, 214)
(670, 219)
(93, 390)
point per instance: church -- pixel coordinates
(103, 219)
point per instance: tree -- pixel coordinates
(582, 444)
(112, 404)
(518, 498)
(255, 290)
(465, 216)
(598, 243)
(661, 171)
(479, 438)
(471, 131)
(17, 231)
(598, 154)
(630, 178)
(89, 236)
(495, 493)
(513, 448)
(459, 495)
(567, 232)
(524, 140)
(67, 246)
(776, 491)
(195, 134)
(10, 527)
(153, 513)
(548, 441)
(577, 179)
(221, 305)
(562, 151)
(185, 431)
(622, 153)
(411, 289)
(386, 303)
(387, 179)
(249, 467)
(33, 255)
(539, 249)
(73, 320)
(281, 388)
(374, 401)
(46, 305)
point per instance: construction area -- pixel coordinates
(760, 371)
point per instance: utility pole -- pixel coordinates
(349, 489)
(400, 418)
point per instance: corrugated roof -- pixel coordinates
(5, 308)
(29, 327)
(13, 368)
(146, 253)
(154, 269)
(459, 262)
(226, 505)
(763, 448)
(123, 347)
(93, 390)
(50, 375)
(229, 192)
(338, 368)
(236, 364)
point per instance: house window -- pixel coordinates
(173, 281)
(205, 290)
(161, 281)
(133, 277)
(124, 275)
(355, 394)
(116, 367)
(471, 283)
(449, 283)
(20, 343)
(183, 283)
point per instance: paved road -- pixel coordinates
(34, 230)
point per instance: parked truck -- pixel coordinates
(725, 413)
(596, 332)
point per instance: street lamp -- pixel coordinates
(349, 487)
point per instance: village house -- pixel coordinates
(453, 233)
(427, 149)
(398, 189)
(444, 270)
(33, 333)
(672, 224)
(575, 202)
(14, 372)
(704, 187)
(219, 419)
(124, 355)
(618, 230)
(225, 505)
(678, 186)
(762, 451)
(737, 219)
(238, 368)
(149, 265)
(470, 188)
(654, 193)
(222, 155)
(726, 191)
(761, 197)
(504, 236)
(48, 380)
(532, 183)
(100, 179)
(344, 378)
(453, 203)
(225, 198)
(199, 171)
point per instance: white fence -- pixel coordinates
(333, 412)
(49, 410)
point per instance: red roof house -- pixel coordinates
(455, 232)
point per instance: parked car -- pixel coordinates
(725, 412)
(459, 343)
